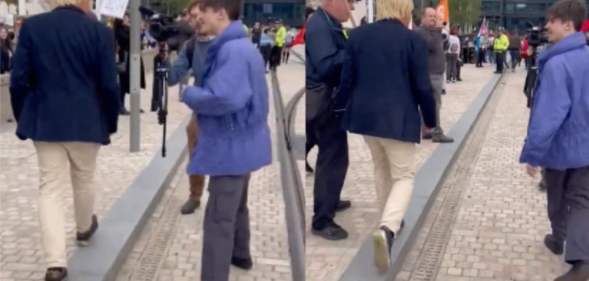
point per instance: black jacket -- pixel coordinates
(385, 82)
(63, 82)
(325, 43)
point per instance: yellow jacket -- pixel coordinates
(280, 37)
(501, 43)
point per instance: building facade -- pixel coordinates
(516, 15)
(292, 12)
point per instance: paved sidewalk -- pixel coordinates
(497, 218)
(21, 256)
(169, 249)
(326, 260)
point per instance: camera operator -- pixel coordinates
(191, 60)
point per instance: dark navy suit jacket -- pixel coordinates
(63, 83)
(385, 82)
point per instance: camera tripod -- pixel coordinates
(161, 78)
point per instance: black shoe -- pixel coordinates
(383, 240)
(56, 274)
(124, 111)
(141, 111)
(579, 272)
(83, 238)
(443, 91)
(245, 264)
(308, 168)
(427, 136)
(332, 232)
(189, 207)
(555, 246)
(343, 205)
(442, 139)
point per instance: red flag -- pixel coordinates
(299, 38)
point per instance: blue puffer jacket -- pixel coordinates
(232, 107)
(558, 135)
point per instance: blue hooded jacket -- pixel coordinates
(558, 134)
(232, 108)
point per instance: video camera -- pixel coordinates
(166, 29)
(536, 37)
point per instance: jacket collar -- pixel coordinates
(233, 32)
(572, 42)
(70, 8)
(329, 18)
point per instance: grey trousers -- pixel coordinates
(226, 226)
(568, 210)
(437, 81)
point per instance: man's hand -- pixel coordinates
(532, 171)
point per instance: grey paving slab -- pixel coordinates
(500, 220)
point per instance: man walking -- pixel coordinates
(515, 45)
(437, 65)
(500, 46)
(325, 39)
(558, 135)
(65, 98)
(231, 103)
(191, 60)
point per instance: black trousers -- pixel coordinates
(275, 57)
(480, 57)
(500, 58)
(331, 167)
(568, 210)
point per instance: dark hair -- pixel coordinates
(569, 10)
(232, 7)
(193, 4)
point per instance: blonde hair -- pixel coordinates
(397, 9)
(58, 3)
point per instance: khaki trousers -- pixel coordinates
(197, 182)
(394, 176)
(54, 159)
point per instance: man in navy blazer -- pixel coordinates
(64, 94)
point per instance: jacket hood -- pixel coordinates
(233, 32)
(572, 42)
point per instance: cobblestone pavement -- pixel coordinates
(326, 260)
(489, 220)
(21, 256)
(169, 249)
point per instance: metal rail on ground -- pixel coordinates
(292, 185)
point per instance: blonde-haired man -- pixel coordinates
(384, 94)
(64, 95)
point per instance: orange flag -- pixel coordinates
(444, 11)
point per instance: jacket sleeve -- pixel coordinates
(180, 68)
(420, 81)
(347, 78)
(21, 77)
(323, 54)
(109, 87)
(552, 104)
(227, 89)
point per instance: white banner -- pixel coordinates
(113, 8)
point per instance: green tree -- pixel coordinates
(465, 13)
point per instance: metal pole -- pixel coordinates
(135, 56)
